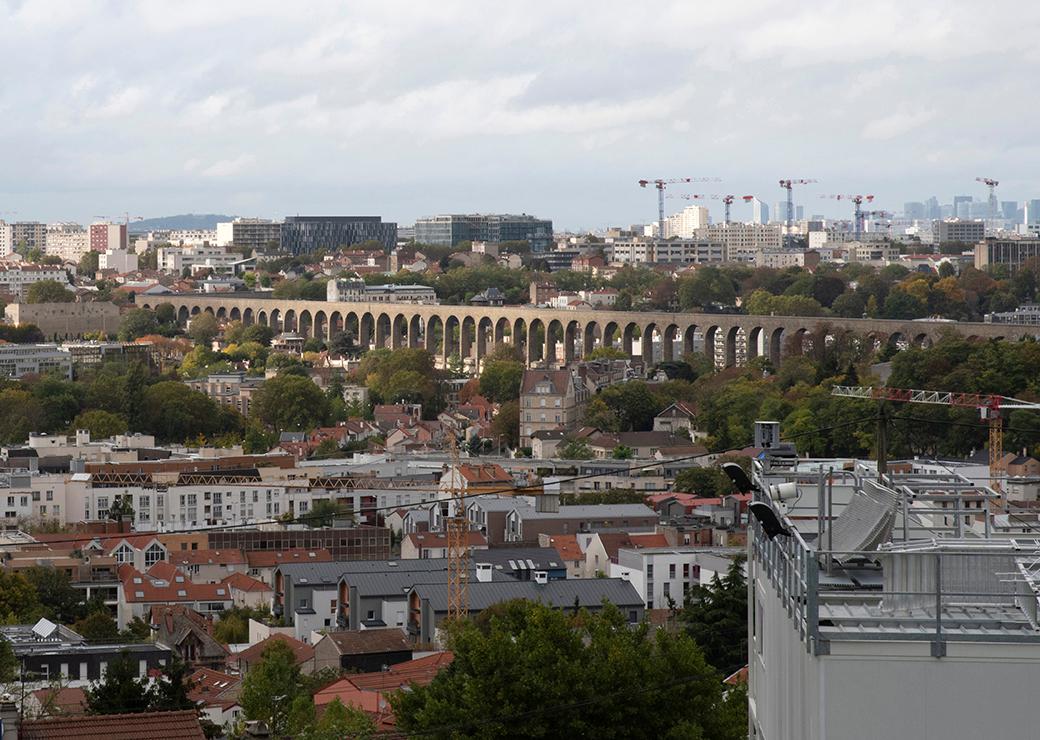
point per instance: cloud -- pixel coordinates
(896, 124)
(228, 167)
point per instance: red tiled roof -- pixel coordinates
(567, 546)
(242, 582)
(66, 700)
(364, 642)
(485, 473)
(440, 539)
(271, 558)
(208, 685)
(367, 691)
(648, 540)
(142, 588)
(301, 650)
(165, 571)
(182, 725)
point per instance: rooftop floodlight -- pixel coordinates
(767, 518)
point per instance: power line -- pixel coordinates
(303, 518)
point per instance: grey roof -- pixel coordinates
(390, 584)
(510, 559)
(594, 511)
(500, 503)
(561, 594)
(330, 573)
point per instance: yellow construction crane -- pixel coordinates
(458, 545)
(989, 407)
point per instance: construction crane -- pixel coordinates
(727, 200)
(857, 202)
(788, 185)
(877, 214)
(661, 185)
(989, 406)
(457, 527)
(127, 218)
(990, 183)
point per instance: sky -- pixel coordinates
(407, 109)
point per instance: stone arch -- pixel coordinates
(519, 338)
(209, 310)
(435, 335)
(366, 330)
(537, 336)
(711, 337)
(451, 342)
(195, 310)
(503, 329)
(755, 339)
(247, 317)
(668, 339)
(628, 336)
(321, 326)
(305, 323)
(776, 344)
(554, 336)
(646, 343)
(182, 315)
(896, 341)
(592, 337)
(261, 317)
(399, 331)
(335, 324)
(485, 330)
(221, 312)
(384, 330)
(235, 314)
(732, 337)
(467, 338)
(923, 340)
(611, 334)
(571, 333)
(689, 339)
(416, 331)
(289, 320)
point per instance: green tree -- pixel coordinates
(170, 693)
(20, 413)
(173, 412)
(233, 625)
(608, 353)
(337, 722)
(613, 679)
(599, 415)
(715, 616)
(121, 690)
(62, 603)
(634, 404)
(97, 626)
(8, 662)
(289, 402)
(705, 482)
(271, 686)
(49, 291)
(574, 449)
(203, 328)
(622, 452)
(19, 602)
(121, 508)
(101, 424)
(505, 426)
(88, 263)
(138, 322)
(500, 380)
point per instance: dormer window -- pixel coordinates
(124, 553)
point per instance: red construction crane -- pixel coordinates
(788, 185)
(660, 185)
(857, 201)
(992, 185)
(989, 407)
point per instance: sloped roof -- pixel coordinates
(208, 557)
(484, 473)
(242, 582)
(302, 555)
(558, 380)
(301, 650)
(182, 725)
(440, 539)
(562, 593)
(65, 700)
(566, 545)
(367, 642)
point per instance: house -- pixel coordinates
(488, 514)
(435, 544)
(412, 519)
(247, 591)
(525, 523)
(678, 417)
(603, 548)
(428, 603)
(373, 599)
(362, 650)
(662, 575)
(544, 443)
(390, 416)
(178, 725)
(568, 550)
(644, 445)
(60, 700)
(370, 692)
(141, 591)
(302, 653)
(305, 595)
(549, 399)
(187, 633)
(209, 566)
(492, 297)
(216, 693)
(474, 479)
(262, 563)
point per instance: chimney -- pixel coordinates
(484, 572)
(624, 575)
(541, 577)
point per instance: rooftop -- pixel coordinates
(183, 725)
(559, 593)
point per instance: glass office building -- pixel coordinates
(307, 234)
(449, 230)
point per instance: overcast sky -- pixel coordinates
(408, 109)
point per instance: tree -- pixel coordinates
(339, 722)
(61, 602)
(506, 424)
(271, 686)
(8, 662)
(715, 616)
(574, 449)
(170, 693)
(19, 603)
(20, 413)
(97, 626)
(322, 514)
(120, 508)
(705, 482)
(120, 691)
(634, 405)
(49, 291)
(88, 263)
(233, 625)
(622, 452)
(608, 353)
(173, 412)
(137, 323)
(101, 424)
(289, 402)
(500, 380)
(203, 328)
(600, 416)
(584, 675)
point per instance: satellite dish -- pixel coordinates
(767, 518)
(738, 476)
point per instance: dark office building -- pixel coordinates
(307, 234)
(347, 543)
(449, 230)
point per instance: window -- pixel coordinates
(671, 570)
(153, 555)
(667, 589)
(50, 495)
(371, 614)
(686, 571)
(124, 554)
(36, 495)
(650, 572)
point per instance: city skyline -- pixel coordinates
(406, 112)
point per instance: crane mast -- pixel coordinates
(457, 528)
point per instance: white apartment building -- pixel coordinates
(358, 291)
(18, 360)
(742, 241)
(195, 257)
(25, 498)
(67, 241)
(779, 259)
(120, 260)
(672, 252)
(686, 222)
(16, 279)
(6, 239)
(867, 621)
(661, 575)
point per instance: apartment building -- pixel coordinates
(67, 241)
(234, 389)
(106, 236)
(1012, 253)
(549, 399)
(359, 291)
(253, 234)
(16, 279)
(19, 360)
(196, 257)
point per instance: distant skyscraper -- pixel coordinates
(759, 212)
(1009, 209)
(780, 212)
(932, 208)
(799, 213)
(962, 206)
(1032, 212)
(915, 211)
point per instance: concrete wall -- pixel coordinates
(65, 320)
